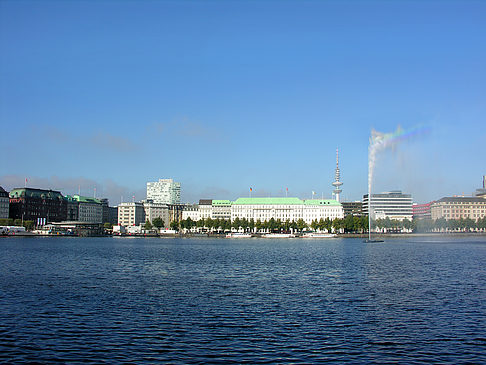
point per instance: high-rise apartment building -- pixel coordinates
(164, 191)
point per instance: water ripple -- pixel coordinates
(185, 301)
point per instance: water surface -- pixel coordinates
(411, 300)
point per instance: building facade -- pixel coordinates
(164, 191)
(393, 205)
(156, 210)
(291, 209)
(353, 208)
(31, 204)
(221, 209)
(205, 208)
(421, 211)
(191, 211)
(459, 207)
(4, 203)
(131, 214)
(90, 209)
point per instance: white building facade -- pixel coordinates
(164, 191)
(131, 214)
(291, 209)
(393, 205)
(191, 212)
(264, 209)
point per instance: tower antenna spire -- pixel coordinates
(337, 176)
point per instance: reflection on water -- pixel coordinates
(185, 300)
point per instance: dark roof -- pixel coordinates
(3, 192)
(460, 199)
(205, 201)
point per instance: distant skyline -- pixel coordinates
(224, 96)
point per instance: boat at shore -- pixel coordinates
(238, 235)
(318, 235)
(278, 235)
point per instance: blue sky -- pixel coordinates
(227, 95)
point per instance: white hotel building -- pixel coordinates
(264, 209)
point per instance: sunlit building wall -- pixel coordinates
(459, 207)
(393, 205)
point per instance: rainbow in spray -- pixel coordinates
(381, 141)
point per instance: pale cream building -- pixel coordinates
(459, 207)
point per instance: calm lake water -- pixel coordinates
(112, 300)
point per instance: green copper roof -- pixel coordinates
(285, 201)
(268, 201)
(221, 202)
(35, 193)
(83, 199)
(321, 202)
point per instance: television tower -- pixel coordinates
(337, 176)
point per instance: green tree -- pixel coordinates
(357, 227)
(174, 225)
(314, 225)
(327, 224)
(407, 224)
(365, 223)
(348, 223)
(148, 225)
(159, 222)
(29, 225)
(337, 224)
(251, 224)
(108, 225)
(272, 224)
(301, 224)
(469, 224)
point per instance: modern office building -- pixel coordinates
(4, 203)
(421, 211)
(131, 214)
(164, 191)
(393, 205)
(459, 207)
(353, 208)
(31, 204)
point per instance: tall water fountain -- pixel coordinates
(379, 142)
